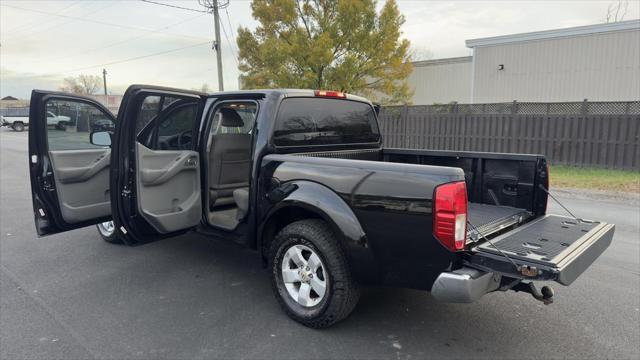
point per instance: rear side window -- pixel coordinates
(234, 118)
(318, 121)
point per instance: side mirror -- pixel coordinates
(100, 138)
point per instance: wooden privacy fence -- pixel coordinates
(595, 140)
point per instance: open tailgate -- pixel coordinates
(550, 248)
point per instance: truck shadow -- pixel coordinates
(394, 317)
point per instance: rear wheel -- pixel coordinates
(107, 231)
(310, 276)
(18, 126)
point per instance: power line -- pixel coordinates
(174, 6)
(123, 60)
(30, 34)
(233, 36)
(235, 57)
(101, 22)
(29, 24)
(211, 4)
(139, 57)
(117, 42)
(226, 10)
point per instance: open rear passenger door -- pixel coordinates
(156, 178)
(69, 161)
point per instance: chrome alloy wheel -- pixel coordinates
(106, 228)
(304, 275)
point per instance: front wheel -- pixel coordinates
(107, 231)
(310, 275)
(18, 126)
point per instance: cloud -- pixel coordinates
(38, 50)
(442, 27)
(19, 84)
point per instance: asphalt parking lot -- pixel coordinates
(74, 296)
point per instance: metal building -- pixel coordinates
(441, 81)
(596, 62)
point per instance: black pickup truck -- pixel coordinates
(301, 176)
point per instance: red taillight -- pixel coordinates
(331, 94)
(450, 215)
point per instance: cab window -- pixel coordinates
(318, 121)
(245, 110)
(167, 123)
(71, 122)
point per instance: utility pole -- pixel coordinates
(216, 19)
(214, 6)
(104, 81)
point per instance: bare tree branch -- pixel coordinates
(81, 84)
(616, 11)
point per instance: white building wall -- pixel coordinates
(600, 67)
(441, 81)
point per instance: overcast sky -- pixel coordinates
(41, 42)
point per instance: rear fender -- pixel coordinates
(327, 205)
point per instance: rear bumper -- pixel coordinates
(464, 285)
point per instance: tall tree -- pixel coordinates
(81, 84)
(327, 44)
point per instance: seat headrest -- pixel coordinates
(231, 118)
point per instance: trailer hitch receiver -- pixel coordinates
(545, 294)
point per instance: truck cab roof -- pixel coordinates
(287, 93)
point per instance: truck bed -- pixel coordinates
(492, 178)
(490, 219)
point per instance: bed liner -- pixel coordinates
(490, 219)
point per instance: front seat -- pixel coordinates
(229, 160)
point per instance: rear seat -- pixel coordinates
(241, 197)
(229, 161)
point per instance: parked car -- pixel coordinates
(60, 122)
(17, 123)
(303, 178)
(102, 124)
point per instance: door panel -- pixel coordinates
(156, 179)
(169, 188)
(82, 183)
(69, 174)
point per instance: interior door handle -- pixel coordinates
(73, 174)
(511, 190)
(159, 176)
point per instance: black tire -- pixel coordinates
(61, 126)
(342, 292)
(108, 236)
(18, 126)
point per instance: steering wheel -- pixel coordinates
(184, 139)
